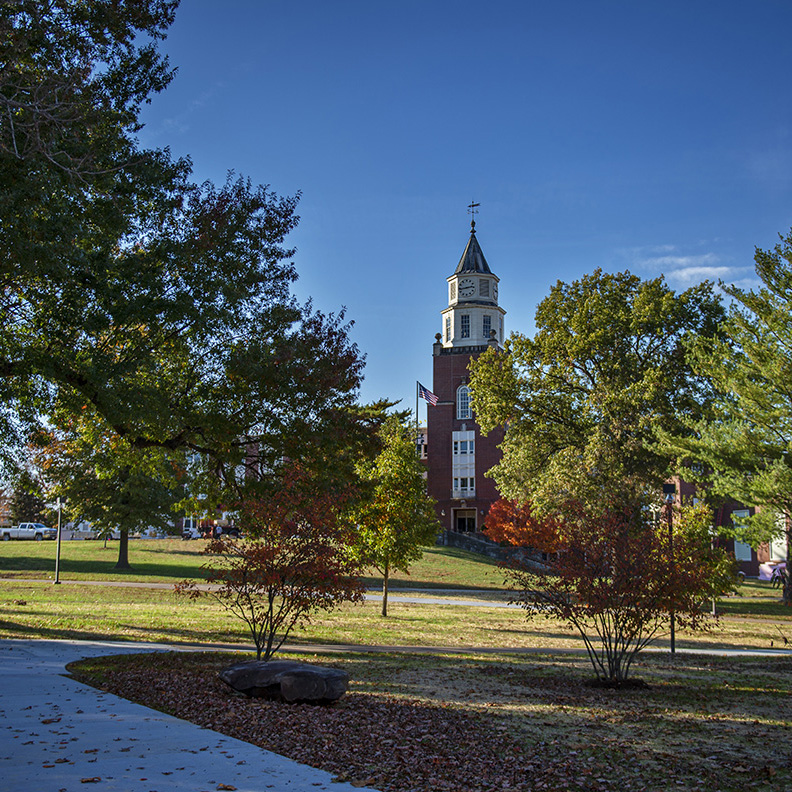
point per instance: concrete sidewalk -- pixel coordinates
(57, 735)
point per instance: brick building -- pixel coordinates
(458, 456)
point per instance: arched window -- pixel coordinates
(463, 403)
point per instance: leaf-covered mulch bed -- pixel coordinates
(388, 734)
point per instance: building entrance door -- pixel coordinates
(465, 520)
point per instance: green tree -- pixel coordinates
(103, 479)
(126, 288)
(26, 503)
(745, 451)
(77, 187)
(395, 517)
(157, 308)
(582, 400)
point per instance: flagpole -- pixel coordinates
(417, 388)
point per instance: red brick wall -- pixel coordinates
(450, 371)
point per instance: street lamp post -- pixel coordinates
(58, 551)
(669, 493)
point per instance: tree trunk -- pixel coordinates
(385, 576)
(123, 550)
(787, 595)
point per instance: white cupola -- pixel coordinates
(473, 312)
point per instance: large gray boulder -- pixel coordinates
(286, 680)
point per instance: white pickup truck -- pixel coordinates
(30, 530)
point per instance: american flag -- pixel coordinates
(427, 394)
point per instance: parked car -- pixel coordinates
(29, 530)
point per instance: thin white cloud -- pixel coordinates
(180, 123)
(683, 271)
(690, 275)
(704, 261)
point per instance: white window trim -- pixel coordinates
(466, 414)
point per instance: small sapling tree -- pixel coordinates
(291, 562)
(396, 519)
(612, 576)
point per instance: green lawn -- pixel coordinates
(169, 560)
(77, 609)
(31, 606)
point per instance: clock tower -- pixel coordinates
(458, 455)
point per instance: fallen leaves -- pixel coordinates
(573, 737)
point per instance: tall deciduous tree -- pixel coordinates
(583, 398)
(105, 480)
(77, 187)
(745, 451)
(395, 517)
(158, 309)
(26, 504)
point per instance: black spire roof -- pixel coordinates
(473, 259)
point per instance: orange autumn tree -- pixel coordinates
(516, 524)
(613, 576)
(291, 562)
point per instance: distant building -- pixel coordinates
(730, 512)
(5, 508)
(457, 455)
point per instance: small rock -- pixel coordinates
(286, 680)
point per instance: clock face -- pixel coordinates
(467, 288)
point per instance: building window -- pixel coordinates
(453, 291)
(463, 464)
(464, 326)
(464, 485)
(501, 330)
(448, 328)
(484, 288)
(487, 325)
(742, 551)
(463, 403)
(464, 447)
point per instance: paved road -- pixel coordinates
(57, 735)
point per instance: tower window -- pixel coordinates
(463, 403)
(484, 289)
(448, 328)
(487, 325)
(453, 291)
(464, 326)
(464, 447)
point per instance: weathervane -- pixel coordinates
(473, 211)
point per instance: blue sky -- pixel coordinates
(649, 136)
